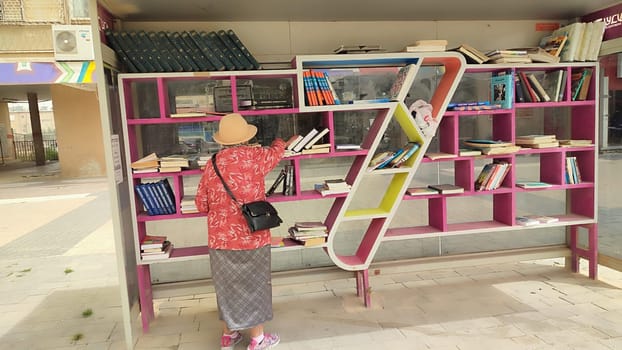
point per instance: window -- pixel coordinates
(79, 9)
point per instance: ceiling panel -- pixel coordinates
(351, 10)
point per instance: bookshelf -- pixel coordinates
(148, 100)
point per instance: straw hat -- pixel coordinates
(233, 130)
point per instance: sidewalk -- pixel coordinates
(57, 267)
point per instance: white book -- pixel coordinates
(596, 41)
(585, 41)
(305, 140)
(574, 32)
(316, 138)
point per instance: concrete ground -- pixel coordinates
(59, 290)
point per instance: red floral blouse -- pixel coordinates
(244, 169)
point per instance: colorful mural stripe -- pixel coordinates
(12, 73)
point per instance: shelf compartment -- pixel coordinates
(182, 254)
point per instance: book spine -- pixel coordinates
(535, 83)
(316, 89)
(532, 94)
(165, 52)
(277, 182)
(142, 194)
(200, 62)
(211, 56)
(215, 41)
(145, 53)
(169, 191)
(326, 94)
(298, 147)
(169, 200)
(131, 49)
(236, 40)
(112, 39)
(309, 90)
(178, 60)
(518, 90)
(242, 62)
(159, 204)
(159, 56)
(316, 138)
(188, 63)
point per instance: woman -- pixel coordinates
(240, 260)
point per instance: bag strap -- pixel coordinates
(222, 180)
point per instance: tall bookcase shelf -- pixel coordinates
(150, 104)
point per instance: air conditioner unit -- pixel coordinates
(72, 42)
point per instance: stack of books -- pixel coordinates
(575, 143)
(173, 163)
(508, 56)
(471, 54)
(537, 141)
(188, 205)
(147, 164)
(308, 233)
(447, 188)
(533, 184)
(157, 197)
(421, 191)
(393, 159)
(155, 248)
(491, 147)
(582, 41)
(491, 176)
(333, 186)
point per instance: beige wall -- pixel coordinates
(78, 131)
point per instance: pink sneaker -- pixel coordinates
(228, 342)
(269, 341)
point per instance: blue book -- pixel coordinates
(386, 162)
(170, 193)
(151, 193)
(169, 206)
(410, 149)
(144, 198)
(502, 89)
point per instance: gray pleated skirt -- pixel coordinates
(242, 279)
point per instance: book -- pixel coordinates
(155, 251)
(277, 242)
(152, 241)
(526, 221)
(529, 90)
(318, 150)
(236, 40)
(549, 144)
(575, 143)
(501, 150)
(426, 46)
(288, 181)
(553, 44)
(149, 161)
(543, 219)
(298, 147)
(588, 29)
(292, 141)
(421, 191)
(403, 80)
(484, 176)
(576, 82)
(310, 242)
(471, 54)
(502, 89)
(574, 35)
(279, 179)
(534, 138)
(196, 54)
(538, 54)
(538, 88)
(485, 144)
(215, 45)
(596, 41)
(147, 202)
(325, 191)
(310, 225)
(440, 155)
(240, 59)
(409, 150)
(447, 188)
(335, 184)
(532, 184)
(316, 138)
(466, 152)
(165, 254)
(585, 85)
(347, 146)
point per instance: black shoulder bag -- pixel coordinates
(260, 215)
